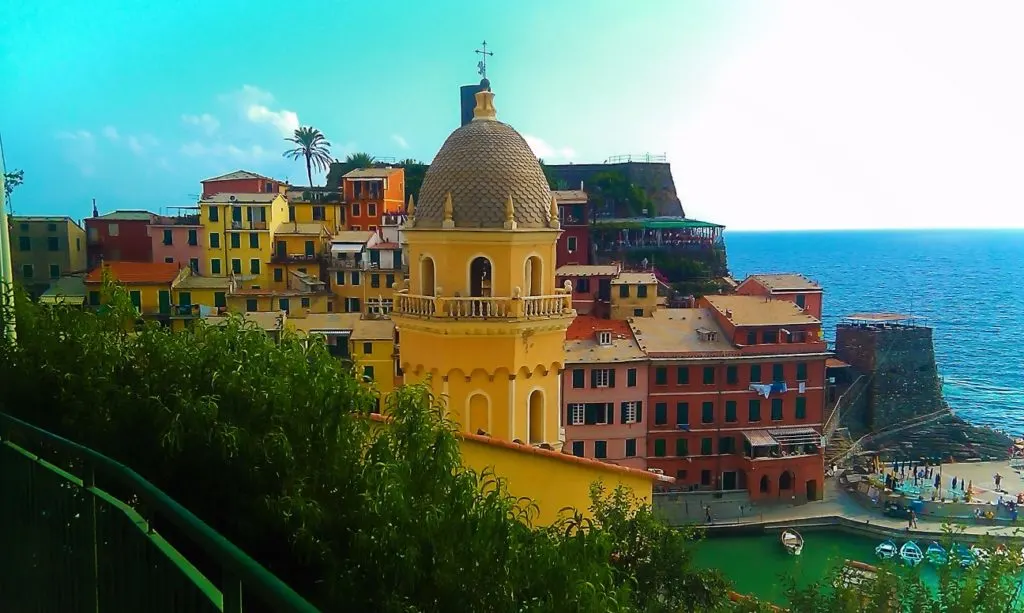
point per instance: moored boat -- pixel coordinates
(936, 554)
(911, 553)
(886, 550)
(981, 555)
(963, 555)
(792, 542)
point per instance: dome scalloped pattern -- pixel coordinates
(481, 163)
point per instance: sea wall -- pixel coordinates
(654, 177)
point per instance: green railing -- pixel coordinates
(68, 546)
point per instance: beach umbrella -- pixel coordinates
(969, 485)
(954, 484)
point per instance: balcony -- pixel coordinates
(480, 308)
(248, 225)
(294, 258)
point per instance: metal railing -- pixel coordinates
(526, 307)
(70, 545)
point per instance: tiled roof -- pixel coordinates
(374, 330)
(138, 273)
(786, 282)
(72, 286)
(128, 216)
(352, 236)
(584, 326)
(37, 218)
(587, 270)
(760, 311)
(634, 278)
(481, 165)
(265, 320)
(198, 282)
(675, 331)
(238, 174)
(581, 346)
(301, 229)
(386, 246)
(228, 198)
(370, 173)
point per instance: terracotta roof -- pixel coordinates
(783, 282)
(386, 246)
(481, 165)
(760, 311)
(301, 229)
(675, 331)
(584, 326)
(835, 363)
(198, 282)
(138, 273)
(570, 196)
(587, 270)
(238, 174)
(230, 198)
(370, 173)
(555, 455)
(635, 277)
(582, 347)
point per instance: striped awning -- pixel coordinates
(796, 436)
(759, 438)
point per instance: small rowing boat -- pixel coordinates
(886, 550)
(936, 554)
(792, 542)
(911, 553)
(981, 555)
(963, 555)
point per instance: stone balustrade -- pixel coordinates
(460, 307)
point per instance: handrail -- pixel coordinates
(243, 570)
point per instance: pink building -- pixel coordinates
(178, 240)
(604, 387)
(591, 286)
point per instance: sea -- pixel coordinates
(962, 283)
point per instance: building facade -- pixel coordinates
(634, 294)
(149, 285)
(574, 216)
(44, 249)
(591, 287)
(240, 231)
(240, 182)
(179, 240)
(320, 205)
(120, 236)
(370, 193)
(793, 287)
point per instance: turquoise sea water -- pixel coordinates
(963, 283)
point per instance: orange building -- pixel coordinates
(795, 288)
(736, 394)
(370, 193)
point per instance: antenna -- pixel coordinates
(481, 66)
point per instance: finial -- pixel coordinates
(553, 214)
(481, 66)
(510, 213)
(448, 208)
(411, 207)
(485, 105)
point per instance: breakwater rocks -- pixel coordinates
(943, 436)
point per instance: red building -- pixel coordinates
(241, 182)
(736, 394)
(370, 193)
(574, 244)
(591, 287)
(795, 288)
(119, 236)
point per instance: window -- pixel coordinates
(354, 278)
(283, 304)
(26, 271)
(339, 278)
(709, 375)
(731, 375)
(193, 264)
(683, 375)
(598, 413)
(279, 275)
(368, 373)
(726, 444)
(801, 301)
(352, 305)
(254, 266)
(24, 243)
(78, 244)
(214, 240)
(630, 447)
(752, 337)
(705, 446)
(54, 271)
(602, 377)
(682, 449)
(236, 214)
(304, 302)
(193, 237)
(661, 376)
(214, 214)
(113, 229)
(371, 209)
(578, 378)
(641, 291)
(730, 411)
(168, 237)
(367, 348)
(638, 312)
(254, 240)
(631, 377)
(777, 373)
(236, 240)
(136, 298)
(185, 299)
(755, 373)
(705, 477)
(770, 337)
(600, 449)
(168, 260)
(236, 266)
(582, 286)
(754, 410)
(375, 280)
(660, 413)
(682, 413)
(801, 371)
(623, 291)
(214, 266)
(604, 338)
(659, 447)
(318, 213)
(776, 409)
(707, 412)
(220, 299)
(355, 209)
(576, 412)
(570, 244)
(94, 298)
(51, 227)
(801, 407)
(330, 309)
(680, 475)
(389, 281)
(52, 244)
(577, 449)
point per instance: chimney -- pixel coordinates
(728, 313)
(95, 212)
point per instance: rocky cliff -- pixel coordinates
(654, 177)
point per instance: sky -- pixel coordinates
(774, 115)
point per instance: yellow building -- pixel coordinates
(363, 270)
(298, 247)
(634, 294)
(43, 249)
(372, 348)
(240, 230)
(321, 205)
(194, 297)
(149, 284)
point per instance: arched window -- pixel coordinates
(536, 417)
(764, 484)
(427, 276)
(534, 276)
(786, 481)
(480, 277)
(479, 414)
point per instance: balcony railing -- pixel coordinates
(527, 307)
(347, 264)
(288, 258)
(248, 225)
(69, 544)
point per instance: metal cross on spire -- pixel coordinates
(481, 66)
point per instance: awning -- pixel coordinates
(346, 247)
(759, 438)
(796, 436)
(834, 363)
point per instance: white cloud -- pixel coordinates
(400, 141)
(80, 150)
(198, 149)
(255, 105)
(139, 144)
(206, 122)
(111, 132)
(546, 152)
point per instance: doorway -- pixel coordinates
(536, 417)
(729, 480)
(812, 490)
(786, 481)
(480, 278)
(427, 276)
(534, 276)
(764, 484)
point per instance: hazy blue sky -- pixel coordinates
(773, 114)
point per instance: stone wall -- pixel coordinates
(654, 177)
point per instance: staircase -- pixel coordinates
(839, 446)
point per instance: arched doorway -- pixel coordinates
(786, 481)
(534, 276)
(479, 414)
(765, 484)
(480, 277)
(427, 276)
(536, 417)
(812, 490)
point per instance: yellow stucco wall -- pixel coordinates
(149, 294)
(333, 217)
(224, 253)
(380, 357)
(343, 288)
(237, 303)
(625, 307)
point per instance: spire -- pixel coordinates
(510, 213)
(448, 221)
(485, 105)
(553, 214)
(411, 207)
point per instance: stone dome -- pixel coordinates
(480, 165)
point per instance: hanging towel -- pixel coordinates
(779, 387)
(761, 388)
(206, 311)
(803, 387)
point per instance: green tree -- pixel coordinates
(415, 171)
(612, 195)
(13, 179)
(313, 147)
(360, 160)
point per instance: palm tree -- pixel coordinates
(359, 160)
(313, 147)
(410, 162)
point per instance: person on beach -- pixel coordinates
(707, 514)
(913, 519)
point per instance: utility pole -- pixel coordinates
(6, 268)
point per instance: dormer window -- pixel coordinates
(604, 338)
(705, 335)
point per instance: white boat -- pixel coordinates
(886, 550)
(981, 555)
(792, 542)
(911, 553)
(936, 554)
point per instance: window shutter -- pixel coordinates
(611, 377)
(578, 378)
(639, 411)
(593, 377)
(568, 414)
(623, 412)
(609, 411)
